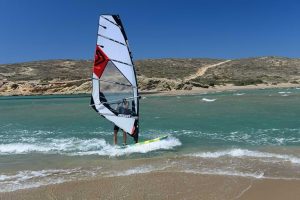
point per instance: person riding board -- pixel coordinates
(123, 109)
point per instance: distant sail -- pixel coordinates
(114, 78)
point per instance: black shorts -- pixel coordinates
(135, 136)
(116, 128)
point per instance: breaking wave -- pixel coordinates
(137, 170)
(239, 94)
(240, 153)
(284, 92)
(30, 179)
(76, 146)
(253, 137)
(208, 100)
(110, 150)
(257, 175)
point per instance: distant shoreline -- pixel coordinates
(193, 91)
(224, 88)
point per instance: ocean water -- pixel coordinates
(53, 139)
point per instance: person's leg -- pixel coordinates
(124, 137)
(136, 138)
(136, 132)
(116, 129)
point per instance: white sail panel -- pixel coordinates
(108, 17)
(110, 30)
(114, 50)
(95, 92)
(127, 124)
(136, 102)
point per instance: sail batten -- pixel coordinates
(122, 62)
(114, 78)
(112, 39)
(110, 20)
(115, 101)
(101, 80)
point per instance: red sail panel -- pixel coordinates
(100, 61)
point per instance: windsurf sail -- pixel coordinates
(114, 77)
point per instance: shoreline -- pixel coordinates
(193, 91)
(225, 88)
(165, 185)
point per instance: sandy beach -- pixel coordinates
(165, 185)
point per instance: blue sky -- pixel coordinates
(38, 30)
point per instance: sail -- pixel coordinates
(114, 78)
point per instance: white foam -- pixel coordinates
(4, 177)
(137, 170)
(110, 150)
(75, 146)
(208, 100)
(284, 92)
(238, 94)
(246, 153)
(250, 137)
(53, 146)
(19, 148)
(257, 175)
(31, 179)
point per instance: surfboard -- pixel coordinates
(152, 140)
(146, 142)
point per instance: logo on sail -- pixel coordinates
(99, 57)
(100, 61)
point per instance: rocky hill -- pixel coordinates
(73, 76)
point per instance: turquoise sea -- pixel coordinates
(52, 139)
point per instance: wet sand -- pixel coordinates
(165, 185)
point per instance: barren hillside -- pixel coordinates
(72, 76)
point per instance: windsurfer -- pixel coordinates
(115, 61)
(123, 110)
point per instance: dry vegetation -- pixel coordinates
(72, 76)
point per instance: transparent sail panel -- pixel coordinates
(116, 91)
